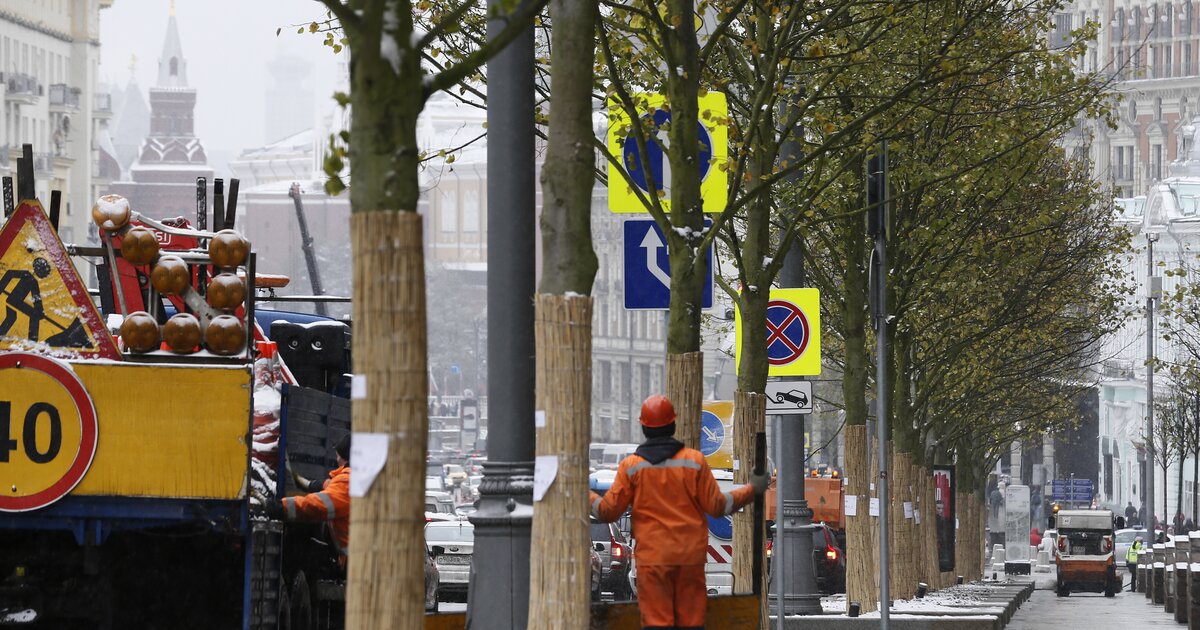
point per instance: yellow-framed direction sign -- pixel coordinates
(793, 333)
(655, 177)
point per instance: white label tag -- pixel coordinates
(737, 465)
(358, 391)
(908, 509)
(955, 523)
(917, 516)
(545, 469)
(874, 506)
(872, 487)
(851, 505)
(539, 418)
(369, 453)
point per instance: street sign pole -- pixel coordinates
(876, 226)
(498, 595)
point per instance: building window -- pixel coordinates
(448, 214)
(1167, 71)
(605, 381)
(1186, 62)
(1156, 162)
(471, 210)
(644, 380)
(626, 383)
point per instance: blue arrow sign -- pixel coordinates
(712, 433)
(648, 268)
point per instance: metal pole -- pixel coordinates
(878, 179)
(777, 552)
(1148, 487)
(498, 597)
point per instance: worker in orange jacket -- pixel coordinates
(328, 500)
(671, 488)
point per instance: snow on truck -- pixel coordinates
(128, 464)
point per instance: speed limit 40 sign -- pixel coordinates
(48, 431)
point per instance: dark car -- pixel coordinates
(829, 559)
(614, 552)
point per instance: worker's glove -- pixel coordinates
(760, 482)
(304, 483)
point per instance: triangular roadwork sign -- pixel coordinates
(44, 306)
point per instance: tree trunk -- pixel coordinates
(685, 388)
(560, 570)
(384, 582)
(1195, 485)
(749, 418)
(860, 583)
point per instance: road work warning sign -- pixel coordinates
(43, 303)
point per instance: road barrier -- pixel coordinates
(1159, 559)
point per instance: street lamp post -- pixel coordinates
(1151, 294)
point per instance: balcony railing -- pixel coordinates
(63, 95)
(22, 86)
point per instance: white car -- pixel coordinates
(457, 540)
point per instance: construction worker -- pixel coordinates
(671, 489)
(328, 500)
(1131, 562)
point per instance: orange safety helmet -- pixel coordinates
(657, 411)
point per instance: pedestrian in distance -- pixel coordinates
(1131, 562)
(1130, 513)
(326, 501)
(671, 489)
(1035, 538)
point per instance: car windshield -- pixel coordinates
(463, 533)
(819, 541)
(454, 469)
(1085, 542)
(600, 532)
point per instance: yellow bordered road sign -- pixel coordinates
(43, 303)
(654, 178)
(48, 431)
(793, 332)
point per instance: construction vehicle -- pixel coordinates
(130, 463)
(1084, 552)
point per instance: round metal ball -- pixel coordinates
(139, 246)
(170, 275)
(226, 291)
(140, 332)
(111, 212)
(225, 335)
(182, 333)
(228, 249)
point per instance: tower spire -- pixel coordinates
(172, 68)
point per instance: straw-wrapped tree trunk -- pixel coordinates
(559, 592)
(388, 90)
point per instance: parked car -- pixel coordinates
(457, 542)
(596, 572)
(830, 560)
(1123, 540)
(433, 483)
(431, 578)
(613, 548)
(439, 506)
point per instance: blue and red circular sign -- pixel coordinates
(788, 332)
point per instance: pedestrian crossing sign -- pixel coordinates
(44, 306)
(654, 176)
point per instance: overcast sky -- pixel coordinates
(228, 44)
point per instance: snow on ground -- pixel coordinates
(961, 601)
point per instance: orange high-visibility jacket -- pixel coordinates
(670, 499)
(331, 505)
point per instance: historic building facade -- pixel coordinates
(161, 181)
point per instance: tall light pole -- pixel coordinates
(1151, 294)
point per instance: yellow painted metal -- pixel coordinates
(714, 115)
(168, 431)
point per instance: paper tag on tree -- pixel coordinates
(369, 453)
(851, 505)
(908, 509)
(874, 508)
(917, 516)
(545, 469)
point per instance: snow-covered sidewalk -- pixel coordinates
(981, 605)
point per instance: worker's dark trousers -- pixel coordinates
(1132, 566)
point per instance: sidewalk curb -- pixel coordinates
(994, 611)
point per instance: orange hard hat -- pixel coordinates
(657, 411)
